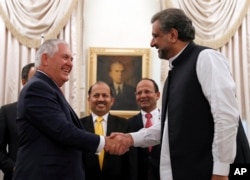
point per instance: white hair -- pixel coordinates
(49, 47)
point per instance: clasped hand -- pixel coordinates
(118, 143)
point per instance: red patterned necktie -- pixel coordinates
(147, 125)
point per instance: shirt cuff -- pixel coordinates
(101, 145)
(221, 169)
(137, 138)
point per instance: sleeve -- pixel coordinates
(50, 114)
(219, 88)
(148, 136)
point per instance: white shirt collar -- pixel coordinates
(155, 113)
(174, 57)
(94, 116)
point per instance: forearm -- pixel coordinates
(147, 136)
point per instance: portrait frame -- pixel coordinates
(137, 61)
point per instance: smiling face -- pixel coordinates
(163, 41)
(58, 66)
(100, 99)
(146, 95)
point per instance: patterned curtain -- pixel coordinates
(224, 26)
(21, 25)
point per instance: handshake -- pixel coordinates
(118, 143)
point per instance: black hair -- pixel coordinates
(26, 70)
(177, 19)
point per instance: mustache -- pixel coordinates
(101, 102)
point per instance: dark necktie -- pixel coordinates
(118, 91)
(147, 125)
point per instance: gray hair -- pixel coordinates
(177, 19)
(49, 47)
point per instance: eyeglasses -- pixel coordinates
(146, 92)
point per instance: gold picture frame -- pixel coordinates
(135, 60)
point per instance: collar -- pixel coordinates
(116, 85)
(94, 116)
(155, 113)
(174, 57)
(48, 77)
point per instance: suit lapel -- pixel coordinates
(110, 125)
(140, 123)
(89, 125)
(75, 118)
(73, 115)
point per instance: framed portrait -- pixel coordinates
(121, 69)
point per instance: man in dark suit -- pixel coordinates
(147, 95)
(51, 138)
(8, 130)
(124, 94)
(113, 167)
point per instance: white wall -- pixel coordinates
(121, 24)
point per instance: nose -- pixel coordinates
(69, 62)
(100, 98)
(152, 43)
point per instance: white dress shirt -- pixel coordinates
(156, 116)
(219, 88)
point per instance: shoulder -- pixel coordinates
(9, 106)
(137, 116)
(212, 58)
(117, 119)
(41, 85)
(85, 119)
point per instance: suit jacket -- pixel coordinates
(126, 100)
(51, 138)
(148, 162)
(8, 137)
(114, 167)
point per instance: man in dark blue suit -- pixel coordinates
(51, 138)
(124, 94)
(8, 130)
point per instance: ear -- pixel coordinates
(158, 94)
(23, 82)
(173, 35)
(44, 59)
(112, 101)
